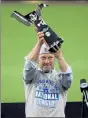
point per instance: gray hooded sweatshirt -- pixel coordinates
(45, 93)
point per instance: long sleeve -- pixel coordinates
(30, 71)
(66, 78)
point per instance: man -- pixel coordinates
(45, 88)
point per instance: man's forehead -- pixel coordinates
(46, 54)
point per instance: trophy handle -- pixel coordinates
(21, 18)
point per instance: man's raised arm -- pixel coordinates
(65, 70)
(30, 70)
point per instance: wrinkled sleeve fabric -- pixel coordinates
(29, 71)
(66, 78)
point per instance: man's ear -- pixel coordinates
(38, 60)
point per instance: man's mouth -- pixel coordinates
(47, 68)
(47, 65)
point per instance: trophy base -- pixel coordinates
(55, 47)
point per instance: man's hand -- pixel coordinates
(40, 36)
(58, 54)
(61, 60)
(33, 55)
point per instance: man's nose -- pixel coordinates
(47, 61)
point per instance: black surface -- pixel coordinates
(17, 110)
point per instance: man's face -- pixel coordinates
(46, 62)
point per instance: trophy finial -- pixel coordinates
(42, 5)
(39, 7)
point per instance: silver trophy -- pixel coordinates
(34, 17)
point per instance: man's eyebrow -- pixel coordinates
(43, 57)
(50, 56)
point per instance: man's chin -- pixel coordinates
(47, 70)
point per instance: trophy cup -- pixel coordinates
(52, 39)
